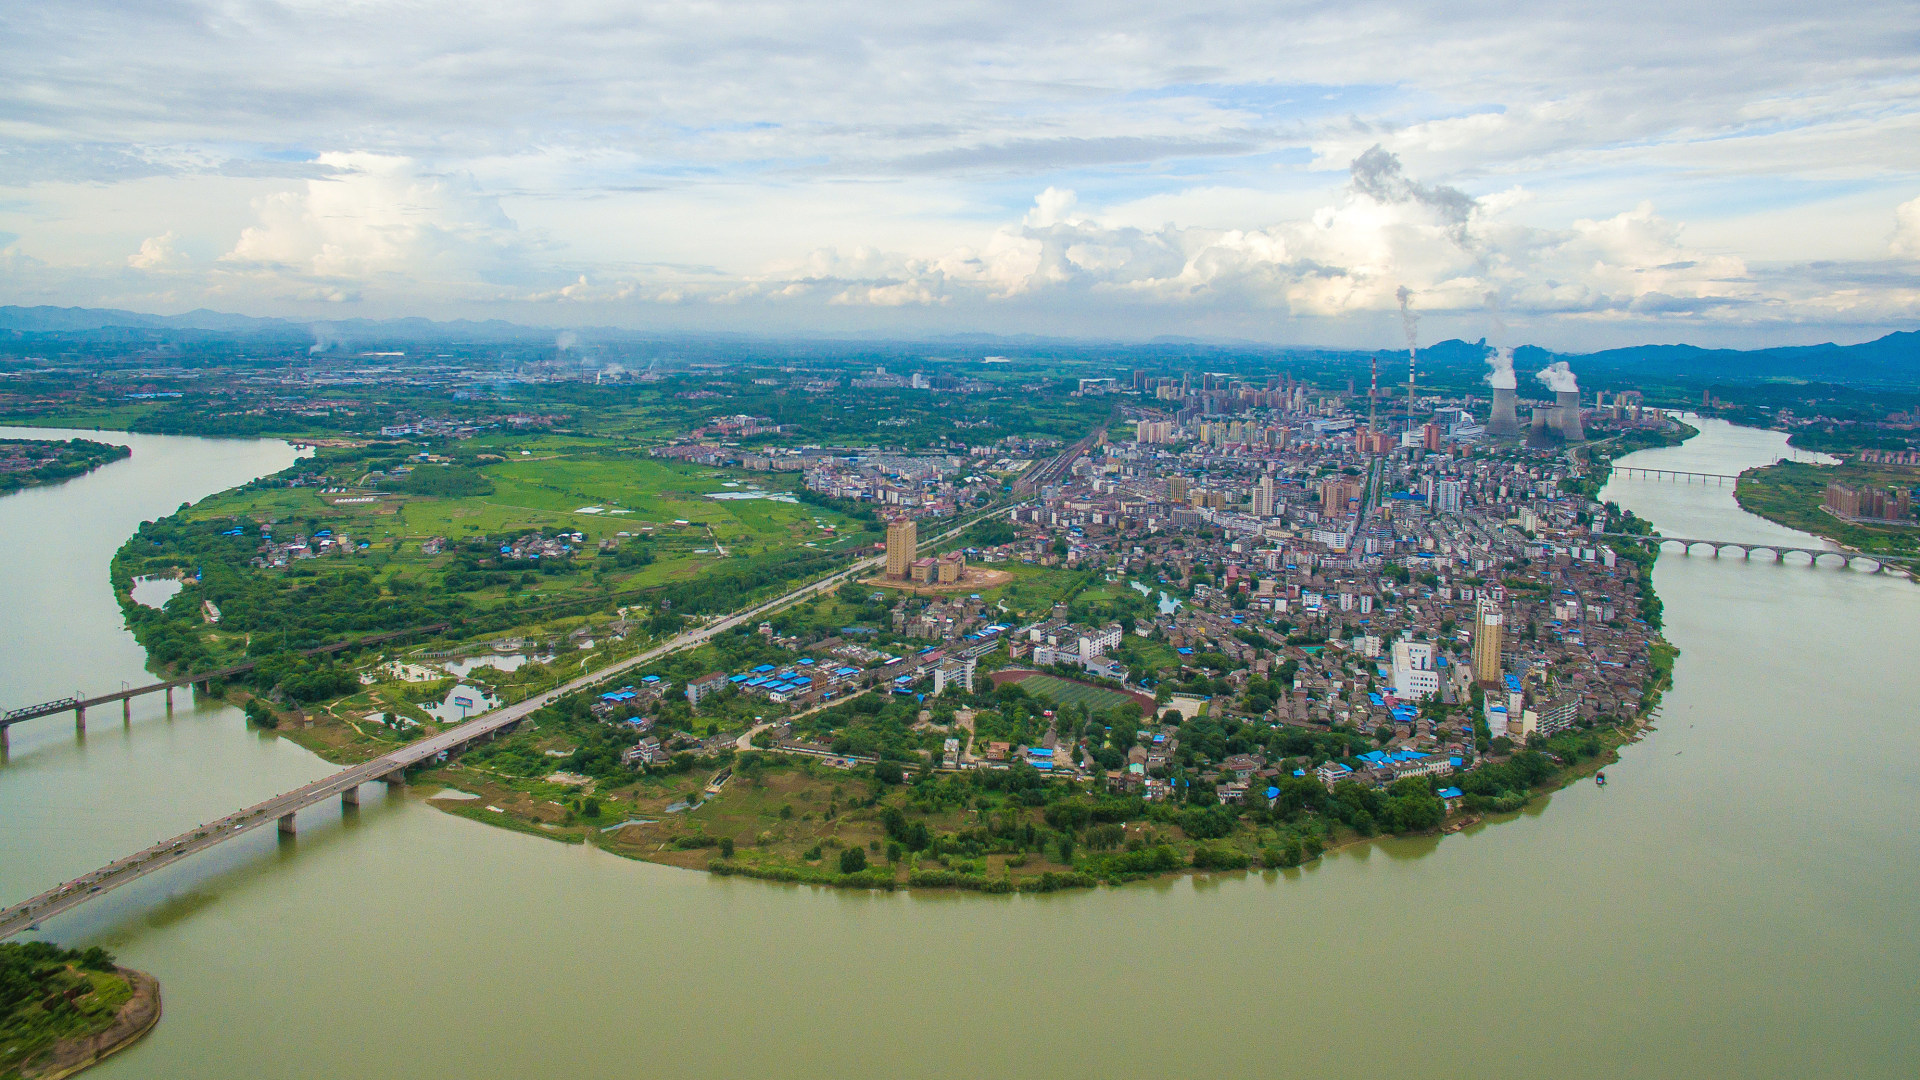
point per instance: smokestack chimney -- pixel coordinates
(1569, 415)
(1506, 412)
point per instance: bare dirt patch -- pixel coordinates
(974, 580)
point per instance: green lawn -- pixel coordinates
(1066, 692)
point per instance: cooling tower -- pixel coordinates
(1506, 414)
(1539, 434)
(1569, 415)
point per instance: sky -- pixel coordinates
(1576, 177)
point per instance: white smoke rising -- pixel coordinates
(567, 340)
(1502, 377)
(325, 339)
(1559, 378)
(1409, 319)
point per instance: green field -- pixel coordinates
(1067, 692)
(1792, 493)
(638, 498)
(709, 554)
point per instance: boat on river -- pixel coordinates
(1600, 779)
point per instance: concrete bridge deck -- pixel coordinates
(390, 768)
(1635, 472)
(78, 704)
(1747, 548)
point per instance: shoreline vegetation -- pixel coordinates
(1792, 493)
(847, 794)
(863, 820)
(65, 1010)
(863, 806)
(26, 463)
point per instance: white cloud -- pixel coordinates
(851, 164)
(1906, 230)
(381, 215)
(156, 253)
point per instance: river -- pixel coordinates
(1742, 900)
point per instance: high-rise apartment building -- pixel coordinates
(1488, 639)
(902, 544)
(1263, 497)
(1176, 489)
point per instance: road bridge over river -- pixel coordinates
(391, 768)
(1747, 549)
(78, 704)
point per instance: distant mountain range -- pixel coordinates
(63, 320)
(1894, 358)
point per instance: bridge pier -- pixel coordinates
(80, 719)
(395, 779)
(169, 700)
(126, 710)
(350, 797)
(286, 824)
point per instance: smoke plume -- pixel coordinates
(324, 339)
(1377, 175)
(1502, 377)
(567, 340)
(1559, 378)
(1409, 319)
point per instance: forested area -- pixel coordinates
(48, 993)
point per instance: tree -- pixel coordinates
(726, 847)
(853, 860)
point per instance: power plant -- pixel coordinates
(1506, 405)
(1541, 432)
(1567, 415)
(1506, 412)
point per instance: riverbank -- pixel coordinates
(805, 819)
(1793, 493)
(138, 1016)
(26, 463)
(64, 1010)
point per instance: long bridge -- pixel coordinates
(390, 768)
(1747, 549)
(1681, 475)
(78, 704)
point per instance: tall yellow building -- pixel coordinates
(902, 545)
(1488, 640)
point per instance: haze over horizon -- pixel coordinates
(1274, 172)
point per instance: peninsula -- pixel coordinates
(1226, 622)
(62, 1010)
(31, 462)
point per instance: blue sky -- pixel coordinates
(1642, 172)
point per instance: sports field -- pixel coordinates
(1067, 692)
